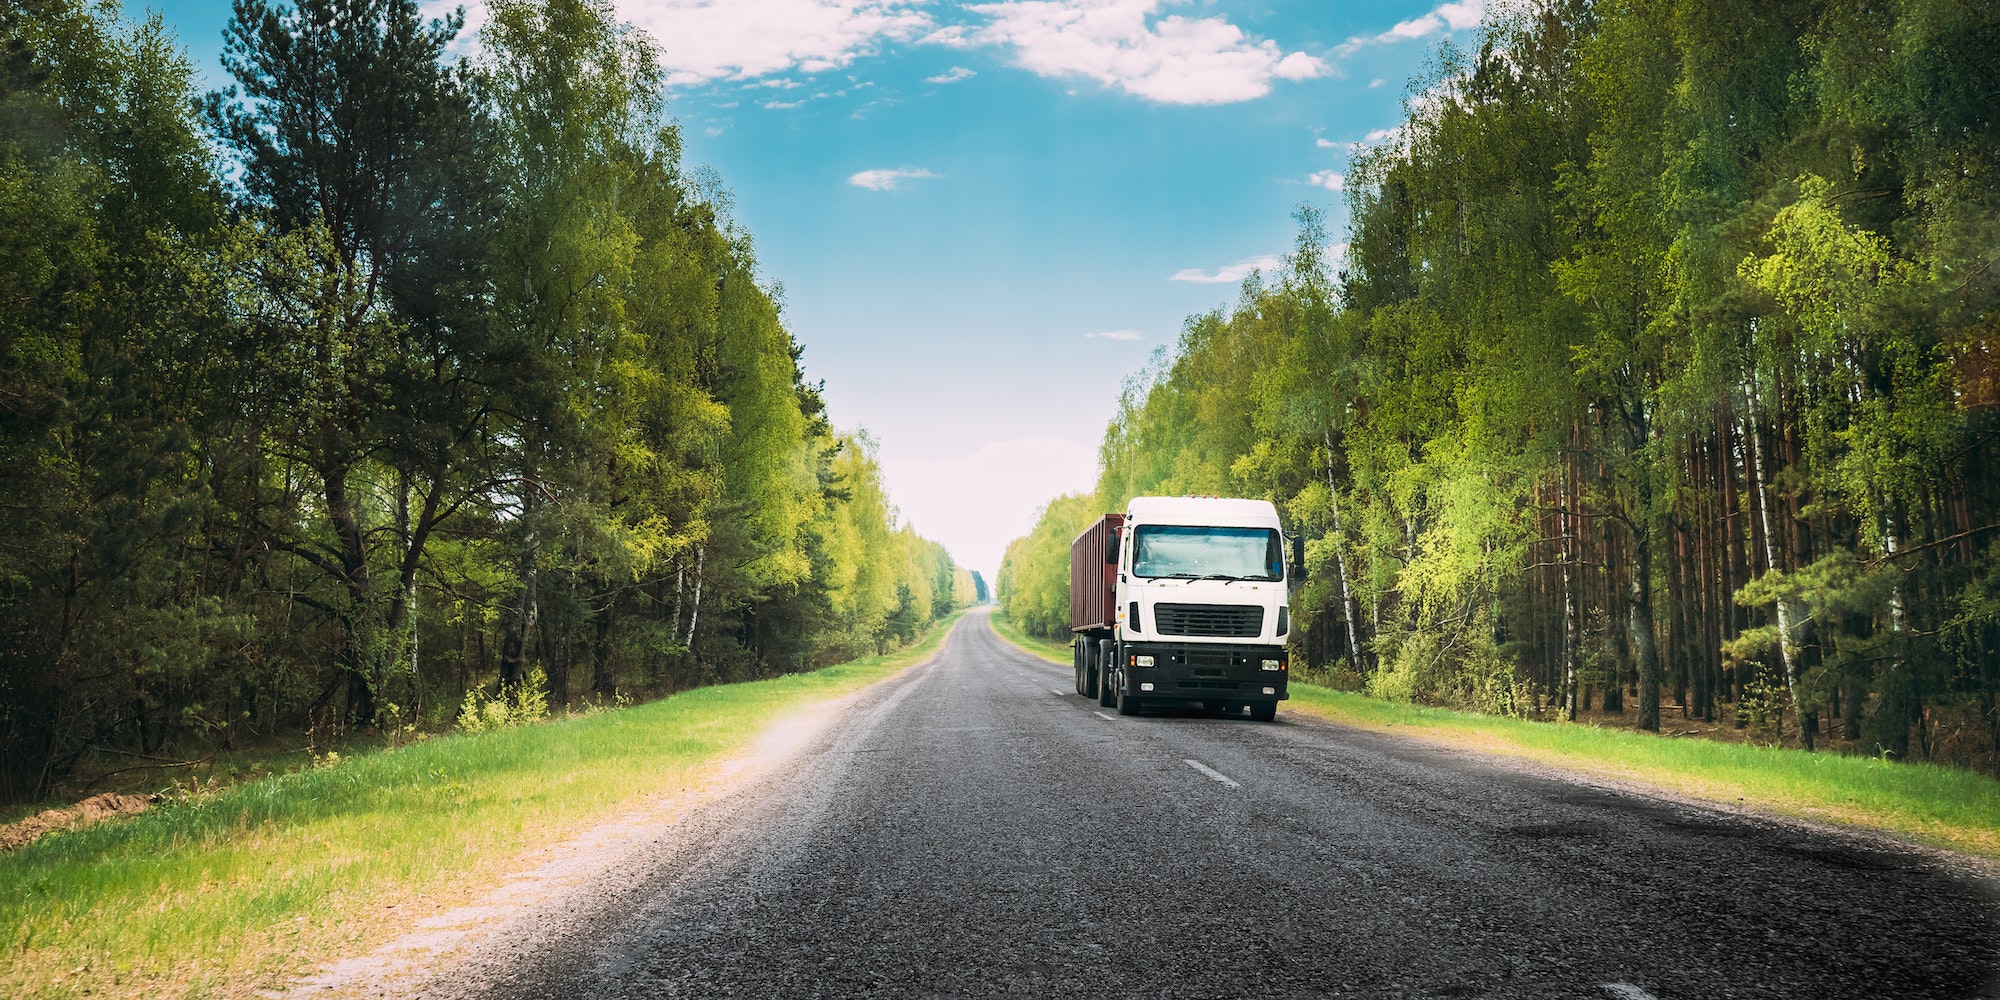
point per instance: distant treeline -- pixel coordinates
(1661, 354)
(387, 374)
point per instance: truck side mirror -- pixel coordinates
(1298, 557)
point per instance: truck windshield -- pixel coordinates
(1200, 553)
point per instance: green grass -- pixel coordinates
(1027, 643)
(239, 891)
(1941, 806)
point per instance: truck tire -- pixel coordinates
(1128, 704)
(1263, 711)
(1076, 662)
(1108, 680)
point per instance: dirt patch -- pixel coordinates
(89, 812)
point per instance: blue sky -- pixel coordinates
(986, 215)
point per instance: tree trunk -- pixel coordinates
(1639, 606)
(1572, 612)
(514, 651)
(1347, 607)
(1757, 484)
(354, 569)
(602, 683)
(694, 612)
(1644, 650)
(1615, 610)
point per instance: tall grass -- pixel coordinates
(1942, 806)
(238, 891)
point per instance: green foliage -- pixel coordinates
(1660, 360)
(450, 371)
(513, 705)
(1033, 585)
(1459, 668)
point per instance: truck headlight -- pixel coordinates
(1142, 661)
(1274, 664)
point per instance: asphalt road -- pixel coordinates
(975, 829)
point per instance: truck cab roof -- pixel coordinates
(1220, 512)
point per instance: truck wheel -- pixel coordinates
(1108, 681)
(1076, 664)
(1263, 711)
(1127, 704)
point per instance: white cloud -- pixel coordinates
(781, 105)
(1228, 273)
(956, 36)
(702, 40)
(1328, 180)
(1325, 143)
(1445, 17)
(888, 180)
(1117, 335)
(1377, 82)
(1121, 44)
(953, 75)
(978, 502)
(1376, 137)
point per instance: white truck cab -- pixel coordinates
(1199, 589)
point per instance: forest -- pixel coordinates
(1657, 370)
(414, 363)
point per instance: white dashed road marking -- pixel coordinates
(1627, 991)
(1106, 718)
(1212, 772)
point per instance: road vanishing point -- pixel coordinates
(972, 828)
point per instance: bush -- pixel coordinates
(514, 705)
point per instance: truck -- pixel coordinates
(1182, 601)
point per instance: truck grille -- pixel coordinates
(1216, 620)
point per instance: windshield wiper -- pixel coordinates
(1224, 577)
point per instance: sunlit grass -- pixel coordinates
(1047, 650)
(1936, 805)
(1942, 806)
(238, 891)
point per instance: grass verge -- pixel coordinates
(1027, 643)
(1944, 807)
(1941, 806)
(237, 892)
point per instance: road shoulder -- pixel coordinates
(576, 872)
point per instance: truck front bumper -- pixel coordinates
(1206, 672)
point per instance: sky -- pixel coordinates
(984, 217)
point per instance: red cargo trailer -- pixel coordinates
(1093, 598)
(1093, 576)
